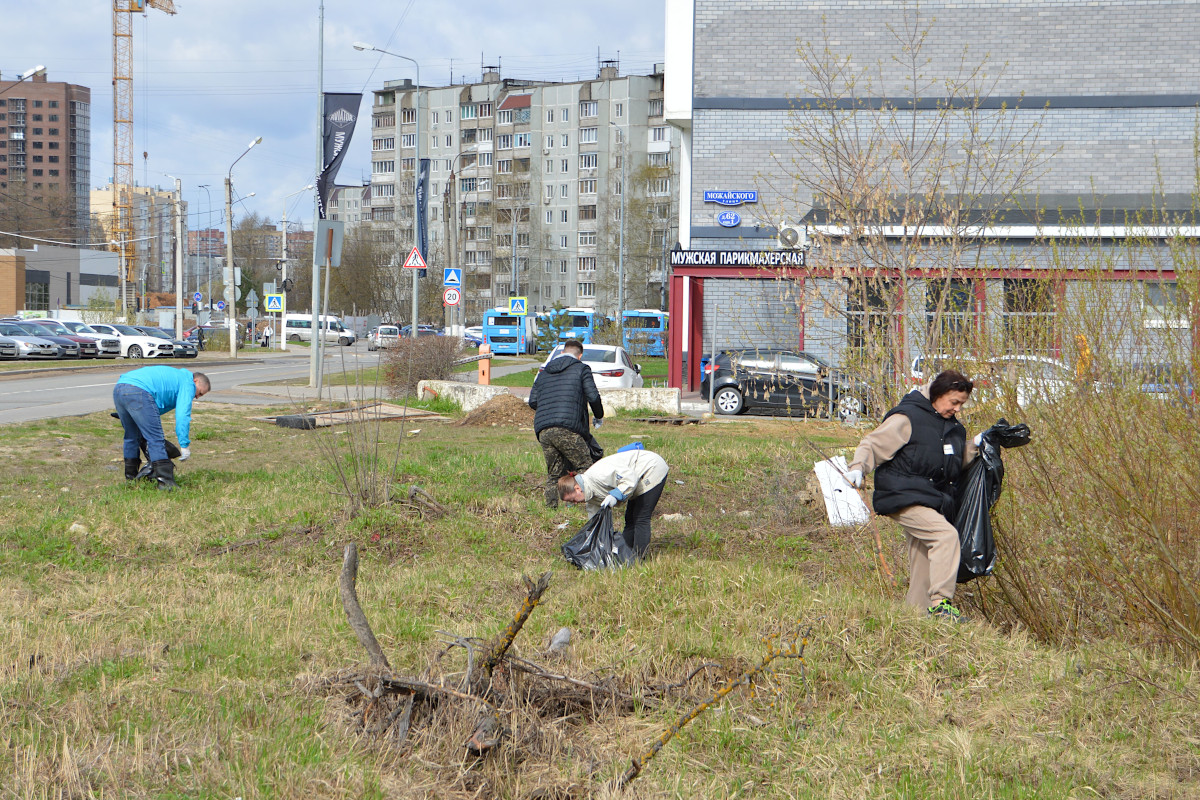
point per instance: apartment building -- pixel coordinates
(152, 218)
(350, 204)
(528, 183)
(45, 152)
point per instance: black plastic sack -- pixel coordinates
(597, 545)
(978, 492)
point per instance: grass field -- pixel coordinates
(180, 645)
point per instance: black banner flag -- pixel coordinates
(422, 201)
(341, 112)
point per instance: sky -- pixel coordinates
(217, 74)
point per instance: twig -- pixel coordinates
(533, 596)
(413, 686)
(354, 612)
(541, 672)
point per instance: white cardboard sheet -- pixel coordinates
(843, 503)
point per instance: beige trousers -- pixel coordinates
(933, 555)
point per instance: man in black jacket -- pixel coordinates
(560, 397)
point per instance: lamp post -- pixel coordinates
(37, 71)
(621, 246)
(284, 268)
(229, 293)
(178, 255)
(207, 246)
(416, 167)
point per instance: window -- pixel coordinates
(549, 166)
(1028, 316)
(566, 164)
(504, 166)
(587, 238)
(549, 115)
(562, 292)
(566, 140)
(587, 290)
(466, 184)
(436, 120)
(659, 186)
(504, 141)
(564, 217)
(549, 192)
(521, 115)
(466, 112)
(485, 109)
(504, 117)
(548, 266)
(449, 139)
(659, 159)
(549, 217)
(655, 108)
(949, 314)
(549, 140)
(485, 134)
(587, 160)
(408, 116)
(587, 186)
(562, 267)
(658, 134)
(384, 121)
(587, 212)
(521, 139)
(564, 190)
(587, 135)
(618, 109)
(484, 233)
(408, 164)
(467, 135)
(388, 143)
(449, 115)
(485, 159)
(381, 167)
(485, 184)
(408, 141)
(433, 142)
(871, 308)
(566, 115)
(522, 240)
(589, 108)
(1164, 305)
(383, 189)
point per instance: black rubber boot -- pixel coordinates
(164, 473)
(132, 466)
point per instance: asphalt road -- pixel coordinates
(76, 390)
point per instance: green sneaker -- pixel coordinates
(946, 611)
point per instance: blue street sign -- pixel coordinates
(197, 297)
(451, 276)
(274, 302)
(730, 198)
(517, 305)
(220, 305)
(729, 219)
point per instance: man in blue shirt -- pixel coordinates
(142, 396)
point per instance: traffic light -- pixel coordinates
(195, 307)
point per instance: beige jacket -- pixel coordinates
(881, 445)
(630, 473)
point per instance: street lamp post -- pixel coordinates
(178, 256)
(284, 269)
(621, 246)
(26, 75)
(416, 168)
(207, 247)
(229, 293)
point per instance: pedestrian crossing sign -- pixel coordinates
(274, 302)
(517, 306)
(414, 260)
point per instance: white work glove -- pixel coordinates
(609, 501)
(597, 422)
(185, 453)
(853, 477)
(978, 440)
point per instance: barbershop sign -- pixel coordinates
(737, 258)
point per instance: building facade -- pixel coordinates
(45, 156)
(153, 248)
(537, 189)
(46, 278)
(1093, 180)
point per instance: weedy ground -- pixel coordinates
(164, 645)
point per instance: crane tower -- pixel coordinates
(123, 11)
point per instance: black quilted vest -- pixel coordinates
(922, 473)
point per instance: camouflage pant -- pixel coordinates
(565, 451)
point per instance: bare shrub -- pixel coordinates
(426, 358)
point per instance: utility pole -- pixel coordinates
(314, 364)
(179, 289)
(621, 246)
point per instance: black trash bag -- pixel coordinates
(597, 545)
(977, 493)
(595, 450)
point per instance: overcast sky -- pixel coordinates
(219, 73)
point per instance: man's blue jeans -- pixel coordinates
(140, 419)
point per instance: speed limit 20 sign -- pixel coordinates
(451, 296)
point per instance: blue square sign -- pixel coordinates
(451, 276)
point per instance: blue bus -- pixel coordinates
(646, 331)
(509, 334)
(583, 322)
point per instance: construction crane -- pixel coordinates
(122, 199)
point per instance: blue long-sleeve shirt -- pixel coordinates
(173, 390)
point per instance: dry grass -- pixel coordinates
(144, 657)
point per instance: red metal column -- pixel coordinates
(695, 333)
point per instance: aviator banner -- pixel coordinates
(341, 112)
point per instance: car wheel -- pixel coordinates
(344, 342)
(293, 337)
(850, 407)
(728, 400)
(134, 351)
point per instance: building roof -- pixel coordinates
(516, 101)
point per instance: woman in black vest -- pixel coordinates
(917, 453)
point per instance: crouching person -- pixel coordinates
(142, 397)
(633, 477)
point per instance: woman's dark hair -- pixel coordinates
(949, 380)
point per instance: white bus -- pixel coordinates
(298, 328)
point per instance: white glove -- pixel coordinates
(853, 477)
(978, 440)
(597, 422)
(185, 453)
(609, 501)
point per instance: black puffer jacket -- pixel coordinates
(924, 472)
(561, 396)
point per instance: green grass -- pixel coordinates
(144, 657)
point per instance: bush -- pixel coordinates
(426, 358)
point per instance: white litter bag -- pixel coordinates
(843, 503)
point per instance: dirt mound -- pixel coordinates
(503, 409)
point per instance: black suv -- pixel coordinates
(792, 381)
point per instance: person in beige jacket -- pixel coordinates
(633, 477)
(918, 453)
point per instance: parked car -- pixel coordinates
(8, 348)
(473, 335)
(88, 347)
(383, 337)
(422, 330)
(1028, 379)
(792, 381)
(135, 344)
(108, 346)
(183, 348)
(611, 366)
(1164, 381)
(68, 348)
(28, 345)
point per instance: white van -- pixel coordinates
(298, 328)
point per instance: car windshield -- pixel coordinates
(57, 327)
(128, 330)
(13, 330)
(80, 327)
(157, 333)
(601, 356)
(35, 330)
(389, 331)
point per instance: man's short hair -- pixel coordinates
(566, 485)
(203, 380)
(573, 346)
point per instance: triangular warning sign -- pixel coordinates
(414, 260)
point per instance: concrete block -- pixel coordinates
(468, 395)
(664, 401)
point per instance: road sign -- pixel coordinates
(451, 276)
(220, 305)
(269, 287)
(274, 302)
(252, 313)
(517, 306)
(327, 239)
(414, 260)
(197, 297)
(450, 296)
(252, 299)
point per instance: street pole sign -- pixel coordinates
(451, 296)
(517, 306)
(452, 276)
(274, 303)
(414, 260)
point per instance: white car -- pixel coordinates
(383, 337)
(611, 366)
(106, 346)
(134, 343)
(1031, 379)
